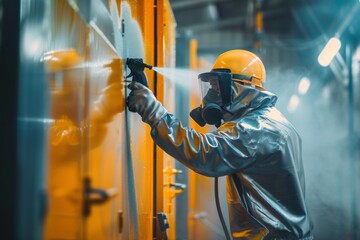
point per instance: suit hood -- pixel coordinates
(247, 99)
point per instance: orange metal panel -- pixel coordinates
(65, 147)
(201, 192)
(167, 23)
(194, 102)
(142, 12)
(88, 138)
(105, 135)
(159, 85)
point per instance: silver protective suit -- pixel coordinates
(260, 153)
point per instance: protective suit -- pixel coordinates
(254, 146)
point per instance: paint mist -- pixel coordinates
(183, 77)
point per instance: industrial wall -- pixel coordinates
(101, 173)
(84, 167)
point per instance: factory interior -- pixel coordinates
(78, 164)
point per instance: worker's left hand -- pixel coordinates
(143, 101)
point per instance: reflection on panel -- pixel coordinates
(106, 135)
(99, 157)
(65, 151)
(66, 74)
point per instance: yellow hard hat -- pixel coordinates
(245, 67)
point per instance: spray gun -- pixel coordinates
(137, 67)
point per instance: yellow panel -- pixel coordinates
(141, 143)
(64, 185)
(194, 102)
(87, 101)
(159, 61)
(198, 184)
(104, 160)
(105, 133)
(87, 139)
(167, 41)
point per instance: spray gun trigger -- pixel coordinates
(130, 75)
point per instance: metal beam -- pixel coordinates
(213, 25)
(346, 22)
(337, 73)
(178, 5)
(300, 22)
(352, 141)
(205, 26)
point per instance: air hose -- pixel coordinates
(227, 234)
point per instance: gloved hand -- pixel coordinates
(143, 101)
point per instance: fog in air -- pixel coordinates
(322, 122)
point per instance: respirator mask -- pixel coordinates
(216, 95)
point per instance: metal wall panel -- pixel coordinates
(9, 57)
(166, 21)
(78, 146)
(66, 73)
(32, 119)
(138, 21)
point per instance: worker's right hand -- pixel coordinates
(143, 101)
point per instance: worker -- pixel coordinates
(254, 145)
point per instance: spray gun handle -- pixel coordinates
(140, 78)
(137, 67)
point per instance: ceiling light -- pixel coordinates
(304, 85)
(330, 50)
(293, 103)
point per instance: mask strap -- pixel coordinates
(227, 111)
(242, 77)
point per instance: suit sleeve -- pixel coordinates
(225, 151)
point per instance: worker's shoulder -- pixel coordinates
(267, 120)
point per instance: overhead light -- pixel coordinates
(213, 12)
(293, 103)
(330, 50)
(304, 85)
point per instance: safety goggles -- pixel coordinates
(216, 85)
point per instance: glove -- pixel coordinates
(143, 101)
